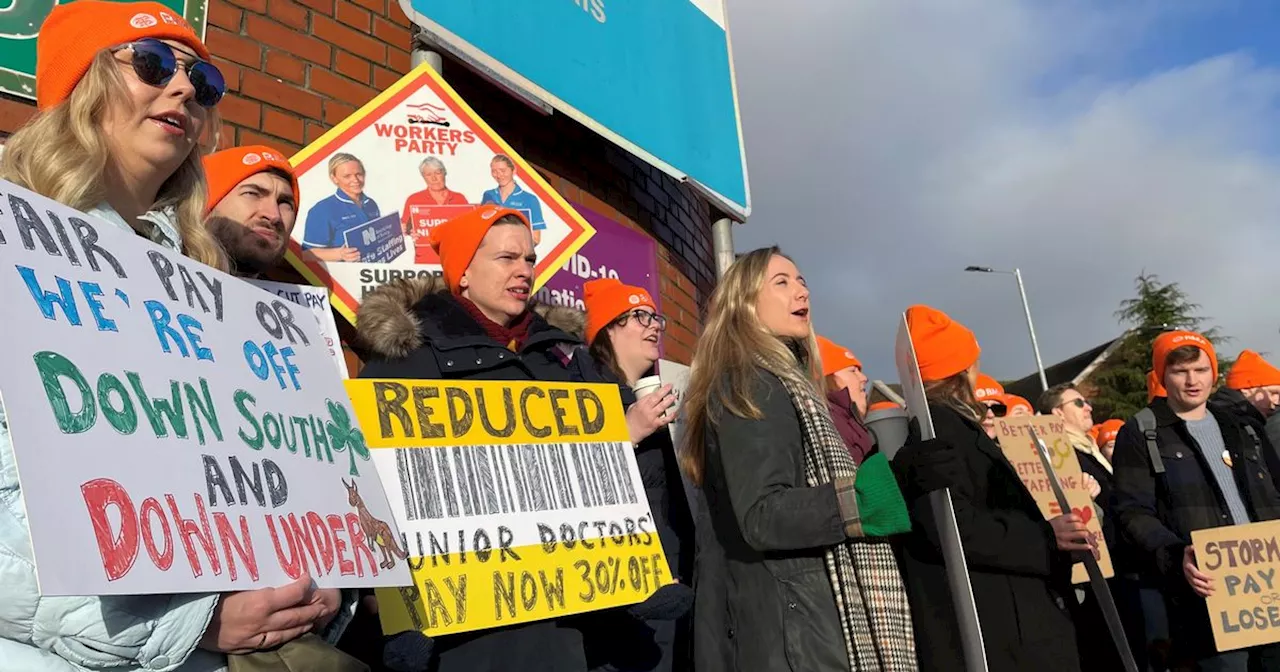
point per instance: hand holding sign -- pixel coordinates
(265, 618)
(1071, 533)
(1200, 582)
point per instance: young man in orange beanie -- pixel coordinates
(1200, 467)
(253, 206)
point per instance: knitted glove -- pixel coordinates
(871, 504)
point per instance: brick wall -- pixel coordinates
(294, 69)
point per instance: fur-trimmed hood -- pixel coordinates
(389, 321)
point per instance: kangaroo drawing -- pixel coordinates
(377, 532)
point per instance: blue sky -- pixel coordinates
(1083, 142)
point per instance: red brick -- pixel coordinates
(351, 66)
(233, 47)
(384, 78)
(249, 137)
(315, 130)
(14, 114)
(268, 90)
(287, 39)
(286, 67)
(230, 72)
(397, 14)
(223, 15)
(392, 34)
(346, 38)
(343, 89)
(289, 13)
(282, 125)
(335, 112)
(237, 110)
(378, 7)
(398, 60)
(353, 16)
(255, 6)
(323, 6)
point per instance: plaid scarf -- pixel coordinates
(870, 597)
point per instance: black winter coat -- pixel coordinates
(764, 601)
(1158, 513)
(416, 329)
(1020, 579)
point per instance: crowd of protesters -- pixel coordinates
(803, 548)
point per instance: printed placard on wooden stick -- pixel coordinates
(1021, 451)
(518, 501)
(175, 429)
(1244, 609)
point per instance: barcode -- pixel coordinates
(485, 480)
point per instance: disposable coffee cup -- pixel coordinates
(647, 386)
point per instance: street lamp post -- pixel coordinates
(1026, 308)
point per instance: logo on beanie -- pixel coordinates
(1198, 340)
(250, 159)
(168, 18)
(848, 355)
(272, 156)
(635, 299)
(142, 20)
(488, 214)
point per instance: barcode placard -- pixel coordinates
(517, 501)
(460, 481)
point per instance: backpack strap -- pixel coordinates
(1147, 424)
(1257, 442)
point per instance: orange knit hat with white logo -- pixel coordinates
(224, 170)
(606, 299)
(987, 387)
(835, 357)
(457, 240)
(1172, 340)
(75, 33)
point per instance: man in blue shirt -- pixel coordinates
(349, 207)
(509, 194)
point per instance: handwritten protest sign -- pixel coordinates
(175, 429)
(316, 300)
(1020, 450)
(1244, 609)
(518, 501)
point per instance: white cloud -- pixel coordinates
(895, 145)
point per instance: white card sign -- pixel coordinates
(316, 300)
(175, 429)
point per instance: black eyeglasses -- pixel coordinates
(644, 318)
(155, 64)
(1079, 403)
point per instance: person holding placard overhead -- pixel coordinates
(125, 92)
(1181, 465)
(1019, 563)
(623, 331)
(791, 542)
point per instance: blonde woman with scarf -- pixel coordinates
(793, 571)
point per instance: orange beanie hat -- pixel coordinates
(835, 357)
(1172, 340)
(1251, 370)
(987, 387)
(1154, 387)
(1012, 401)
(1107, 431)
(943, 346)
(73, 35)
(457, 240)
(225, 169)
(882, 406)
(606, 299)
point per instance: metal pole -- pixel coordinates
(1035, 345)
(420, 56)
(722, 241)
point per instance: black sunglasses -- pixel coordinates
(155, 64)
(1079, 403)
(998, 409)
(644, 318)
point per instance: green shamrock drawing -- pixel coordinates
(343, 436)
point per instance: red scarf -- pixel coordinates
(511, 337)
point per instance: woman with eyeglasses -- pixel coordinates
(623, 334)
(125, 92)
(1019, 563)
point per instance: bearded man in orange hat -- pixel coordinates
(253, 206)
(1181, 465)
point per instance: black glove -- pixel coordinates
(669, 603)
(926, 466)
(408, 651)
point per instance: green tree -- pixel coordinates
(1121, 381)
